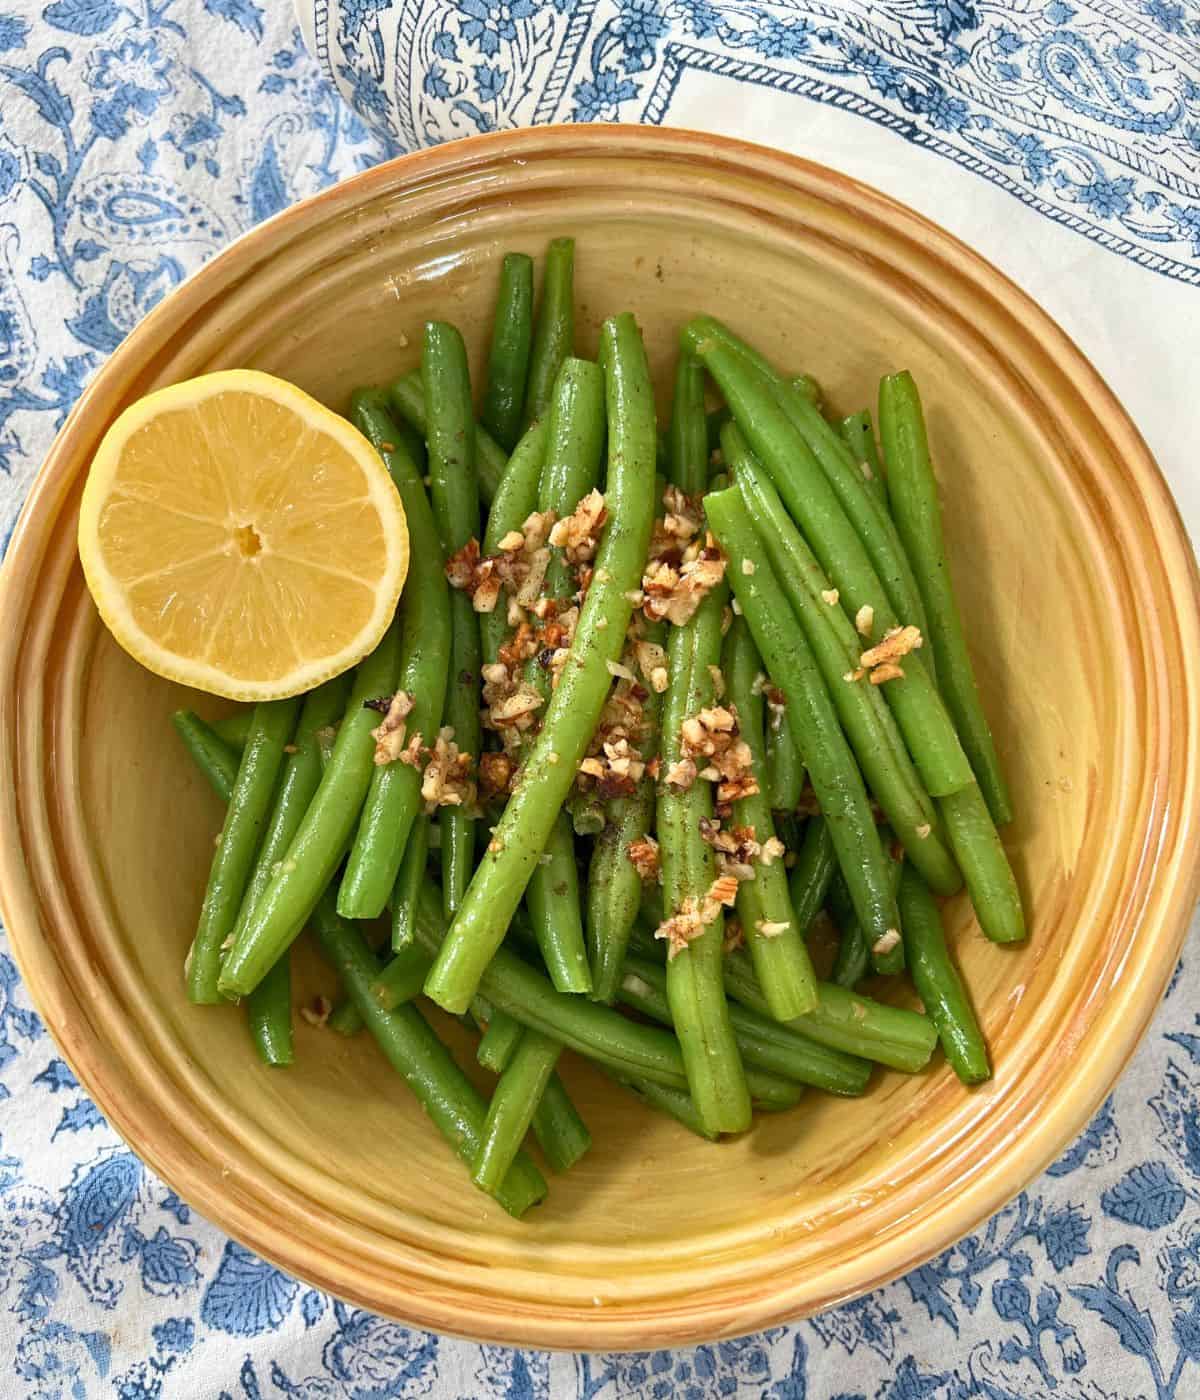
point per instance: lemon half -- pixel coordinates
(239, 537)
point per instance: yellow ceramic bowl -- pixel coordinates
(1080, 593)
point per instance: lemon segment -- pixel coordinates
(239, 537)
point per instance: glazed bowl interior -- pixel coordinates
(1080, 599)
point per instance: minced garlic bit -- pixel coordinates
(886, 942)
(651, 658)
(681, 927)
(723, 890)
(864, 620)
(772, 928)
(851, 676)
(681, 567)
(682, 773)
(319, 1012)
(924, 830)
(748, 567)
(578, 534)
(737, 847)
(643, 855)
(897, 642)
(447, 781)
(718, 681)
(389, 733)
(496, 772)
(831, 596)
(736, 606)
(773, 849)
(618, 669)
(412, 755)
(865, 467)
(713, 735)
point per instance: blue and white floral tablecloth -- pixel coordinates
(1061, 138)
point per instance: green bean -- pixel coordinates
(561, 1133)
(913, 494)
(602, 1034)
(688, 438)
(853, 955)
(714, 420)
(269, 1006)
(773, 934)
(413, 443)
(498, 1042)
(401, 979)
(323, 836)
(938, 983)
(809, 497)
(990, 879)
(575, 707)
(237, 845)
(394, 796)
(693, 984)
(514, 501)
(807, 387)
(574, 446)
(574, 449)
(269, 1016)
(832, 770)
(454, 489)
(799, 568)
(234, 728)
(514, 1100)
(815, 866)
(411, 876)
(885, 763)
(841, 1020)
(868, 515)
(675, 1103)
(858, 433)
(344, 1019)
(406, 396)
(552, 899)
(855, 1025)
(762, 1042)
(412, 1049)
(211, 754)
(783, 767)
(614, 887)
(450, 434)
(508, 362)
(554, 329)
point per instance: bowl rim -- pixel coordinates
(780, 1298)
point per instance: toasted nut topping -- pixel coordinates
(389, 733)
(319, 1012)
(578, 534)
(644, 856)
(886, 942)
(448, 781)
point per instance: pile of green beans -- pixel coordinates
(779, 783)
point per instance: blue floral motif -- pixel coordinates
(373, 1357)
(246, 1296)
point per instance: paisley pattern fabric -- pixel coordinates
(136, 138)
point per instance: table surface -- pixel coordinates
(1062, 139)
